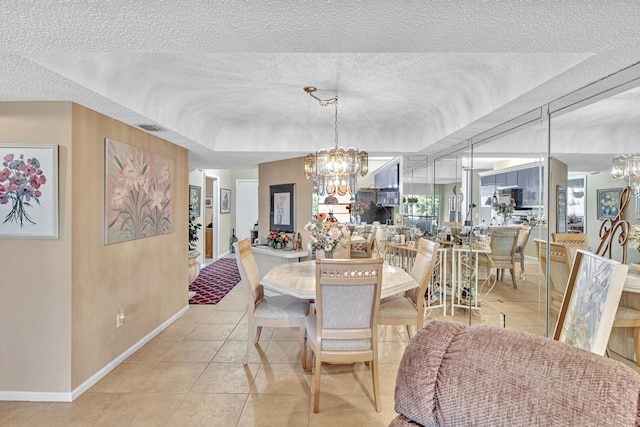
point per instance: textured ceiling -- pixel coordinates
(225, 78)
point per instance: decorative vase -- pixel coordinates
(194, 266)
(328, 254)
(278, 245)
(358, 219)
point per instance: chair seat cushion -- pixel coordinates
(281, 307)
(359, 246)
(396, 306)
(311, 323)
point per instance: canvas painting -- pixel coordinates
(590, 302)
(138, 194)
(29, 191)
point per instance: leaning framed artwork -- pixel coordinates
(194, 200)
(208, 202)
(225, 200)
(281, 215)
(138, 194)
(29, 191)
(590, 302)
(608, 202)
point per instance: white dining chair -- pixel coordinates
(282, 311)
(344, 327)
(409, 309)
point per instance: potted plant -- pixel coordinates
(194, 265)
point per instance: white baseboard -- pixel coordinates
(43, 396)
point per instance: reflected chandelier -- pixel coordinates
(335, 170)
(628, 168)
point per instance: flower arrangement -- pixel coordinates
(634, 237)
(503, 208)
(357, 208)
(20, 183)
(327, 236)
(278, 237)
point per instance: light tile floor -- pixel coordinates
(191, 374)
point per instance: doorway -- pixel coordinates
(211, 213)
(246, 207)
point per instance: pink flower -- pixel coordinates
(8, 157)
(117, 197)
(28, 169)
(37, 193)
(43, 179)
(4, 174)
(157, 197)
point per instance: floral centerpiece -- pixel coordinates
(327, 236)
(278, 239)
(503, 208)
(357, 208)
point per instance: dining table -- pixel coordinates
(299, 280)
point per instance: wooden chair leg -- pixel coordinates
(249, 341)
(376, 384)
(302, 336)
(513, 277)
(523, 276)
(316, 388)
(636, 344)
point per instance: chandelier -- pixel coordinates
(627, 167)
(335, 170)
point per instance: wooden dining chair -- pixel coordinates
(559, 268)
(502, 256)
(409, 309)
(366, 249)
(343, 329)
(573, 239)
(276, 312)
(523, 239)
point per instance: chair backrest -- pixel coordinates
(422, 270)
(559, 269)
(371, 236)
(575, 239)
(523, 238)
(347, 303)
(249, 273)
(503, 245)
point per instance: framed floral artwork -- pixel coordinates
(29, 191)
(194, 200)
(608, 202)
(138, 193)
(225, 200)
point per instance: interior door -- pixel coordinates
(246, 207)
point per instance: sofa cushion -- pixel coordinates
(452, 375)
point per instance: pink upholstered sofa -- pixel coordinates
(456, 375)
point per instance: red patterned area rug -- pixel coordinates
(215, 281)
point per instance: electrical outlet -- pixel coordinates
(120, 318)
(503, 320)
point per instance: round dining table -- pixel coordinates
(299, 280)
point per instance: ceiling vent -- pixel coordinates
(152, 128)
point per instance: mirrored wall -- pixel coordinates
(497, 203)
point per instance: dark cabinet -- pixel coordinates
(526, 179)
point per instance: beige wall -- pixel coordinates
(35, 292)
(61, 296)
(289, 171)
(147, 277)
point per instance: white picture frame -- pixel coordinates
(29, 191)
